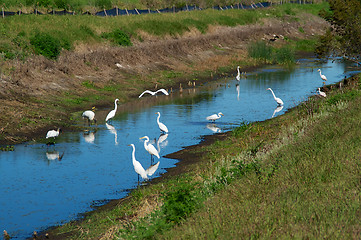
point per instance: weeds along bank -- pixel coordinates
(77, 62)
(296, 175)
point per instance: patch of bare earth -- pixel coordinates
(37, 79)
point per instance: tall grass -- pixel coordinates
(265, 53)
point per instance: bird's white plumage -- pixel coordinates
(323, 94)
(149, 147)
(111, 114)
(214, 117)
(161, 126)
(278, 100)
(88, 114)
(154, 93)
(53, 133)
(238, 77)
(323, 77)
(138, 168)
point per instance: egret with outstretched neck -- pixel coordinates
(154, 93)
(138, 168)
(278, 100)
(111, 114)
(150, 148)
(214, 117)
(163, 128)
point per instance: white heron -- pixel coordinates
(163, 128)
(323, 77)
(238, 77)
(323, 94)
(138, 168)
(214, 117)
(154, 93)
(111, 114)
(278, 100)
(90, 115)
(150, 148)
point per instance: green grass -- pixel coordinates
(16, 32)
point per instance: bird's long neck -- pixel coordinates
(146, 143)
(238, 72)
(133, 154)
(320, 74)
(274, 96)
(158, 118)
(115, 105)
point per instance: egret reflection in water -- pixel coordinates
(238, 90)
(112, 129)
(213, 127)
(162, 141)
(89, 136)
(54, 155)
(277, 109)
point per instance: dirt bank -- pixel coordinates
(30, 90)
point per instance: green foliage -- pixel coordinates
(179, 203)
(345, 18)
(119, 37)
(46, 45)
(260, 50)
(284, 55)
(266, 53)
(103, 3)
(348, 96)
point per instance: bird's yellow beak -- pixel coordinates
(141, 138)
(222, 114)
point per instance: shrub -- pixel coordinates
(119, 37)
(46, 45)
(179, 203)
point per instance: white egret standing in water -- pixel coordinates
(238, 77)
(214, 117)
(138, 168)
(154, 93)
(111, 114)
(150, 148)
(323, 77)
(278, 100)
(323, 94)
(161, 126)
(90, 115)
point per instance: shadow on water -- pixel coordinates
(42, 186)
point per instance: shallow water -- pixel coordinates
(38, 190)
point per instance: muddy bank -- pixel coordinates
(35, 95)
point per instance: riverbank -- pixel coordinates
(213, 177)
(39, 94)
